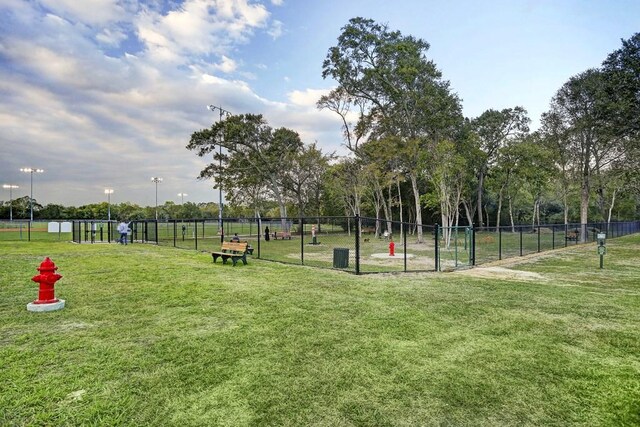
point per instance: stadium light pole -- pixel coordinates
(31, 171)
(10, 187)
(108, 192)
(182, 196)
(222, 111)
(156, 180)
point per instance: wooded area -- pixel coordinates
(414, 157)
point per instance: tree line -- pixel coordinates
(127, 211)
(413, 156)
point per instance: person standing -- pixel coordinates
(266, 233)
(123, 228)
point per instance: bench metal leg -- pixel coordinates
(234, 258)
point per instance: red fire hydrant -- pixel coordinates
(392, 249)
(47, 279)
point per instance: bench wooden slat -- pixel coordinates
(234, 246)
(282, 234)
(233, 250)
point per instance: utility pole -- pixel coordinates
(228, 113)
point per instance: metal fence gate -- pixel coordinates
(454, 247)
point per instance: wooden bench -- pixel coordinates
(282, 234)
(233, 250)
(573, 235)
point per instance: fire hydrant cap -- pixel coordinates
(47, 265)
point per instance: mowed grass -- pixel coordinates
(159, 336)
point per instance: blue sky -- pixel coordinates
(105, 93)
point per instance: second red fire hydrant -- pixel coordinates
(47, 279)
(392, 249)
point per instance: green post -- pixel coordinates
(602, 249)
(455, 243)
(358, 224)
(437, 250)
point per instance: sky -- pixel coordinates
(106, 93)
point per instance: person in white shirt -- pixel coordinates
(123, 228)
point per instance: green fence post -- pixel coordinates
(259, 221)
(301, 221)
(358, 229)
(455, 245)
(404, 245)
(473, 245)
(437, 250)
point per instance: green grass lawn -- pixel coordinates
(160, 336)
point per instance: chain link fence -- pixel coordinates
(36, 231)
(492, 244)
(355, 244)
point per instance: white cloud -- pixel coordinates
(275, 30)
(247, 75)
(199, 27)
(306, 98)
(94, 12)
(227, 65)
(111, 37)
(277, 2)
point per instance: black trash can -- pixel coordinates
(340, 257)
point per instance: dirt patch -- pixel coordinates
(398, 255)
(500, 269)
(500, 273)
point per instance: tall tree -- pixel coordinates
(397, 90)
(254, 153)
(444, 167)
(382, 157)
(622, 85)
(303, 177)
(622, 76)
(346, 183)
(493, 129)
(536, 168)
(554, 137)
(502, 174)
(582, 107)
